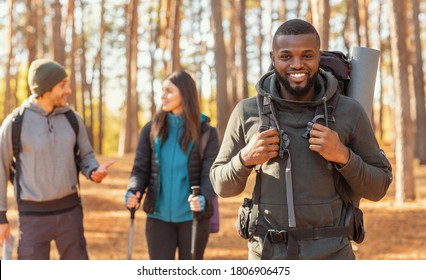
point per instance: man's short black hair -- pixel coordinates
(296, 27)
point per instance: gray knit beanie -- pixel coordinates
(44, 74)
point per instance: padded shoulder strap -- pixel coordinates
(70, 115)
(72, 119)
(18, 116)
(203, 142)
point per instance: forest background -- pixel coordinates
(118, 52)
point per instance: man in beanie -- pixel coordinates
(46, 190)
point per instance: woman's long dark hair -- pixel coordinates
(191, 112)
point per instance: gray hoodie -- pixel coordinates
(48, 177)
(316, 201)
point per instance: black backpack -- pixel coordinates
(18, 116)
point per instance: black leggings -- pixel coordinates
(164, 237)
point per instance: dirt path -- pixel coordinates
(393, 232)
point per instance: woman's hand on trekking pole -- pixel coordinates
(133, 200)
(196, 203)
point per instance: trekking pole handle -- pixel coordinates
(195, 190)
(133, 209)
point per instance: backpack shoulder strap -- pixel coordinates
(71, 117)
(204, 140)
(265, 112)
(15, 170)
(18, 116)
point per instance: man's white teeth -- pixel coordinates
(298, 75)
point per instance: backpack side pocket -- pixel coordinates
(243, 220)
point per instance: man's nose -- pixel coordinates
(296, 63)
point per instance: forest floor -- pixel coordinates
(392, 231)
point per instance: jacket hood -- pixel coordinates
(30, 104)
(325, 84)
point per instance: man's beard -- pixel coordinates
(296, 91)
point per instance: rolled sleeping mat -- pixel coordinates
(364, 64)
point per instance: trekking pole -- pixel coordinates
(131, 230)
(195, 192)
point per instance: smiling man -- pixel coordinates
(296, 211)
(46, 179)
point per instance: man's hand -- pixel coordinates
(99, 174)
(4, 232)
(326, 142)
(262, 147)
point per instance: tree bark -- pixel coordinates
(131, 128)
(7, 104)
(101, 80)
(220, 67)
(57, 43)
(31, 33)
(419, 88)
(243, 53)
(404, 149)
(72, 99)
(176, 38)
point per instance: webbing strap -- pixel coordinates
(268, 116)
(289, 192)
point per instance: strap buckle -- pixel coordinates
(277, 236)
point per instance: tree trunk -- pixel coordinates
(243, 51)
(176, 38)
(101, 81)
(154, 42)
(419, 88)
(40, 29)
(130, 136)
(260, 41)
(364, 21)
(282, 11)
(7, 105)
(235, 44)
(325, 24)
(321, 20)
(403, 123)
(85, 87)
(72, 99)
(31, 33)
(383, 71)
(346, 25)
(57, 43)
(220, 67)
(355, 8)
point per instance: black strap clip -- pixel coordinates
(277, 236)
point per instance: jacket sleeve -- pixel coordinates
(6, 157)
(228, 175)
(87, 160)
(368, 172)
(141, 171)
(210, 153)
